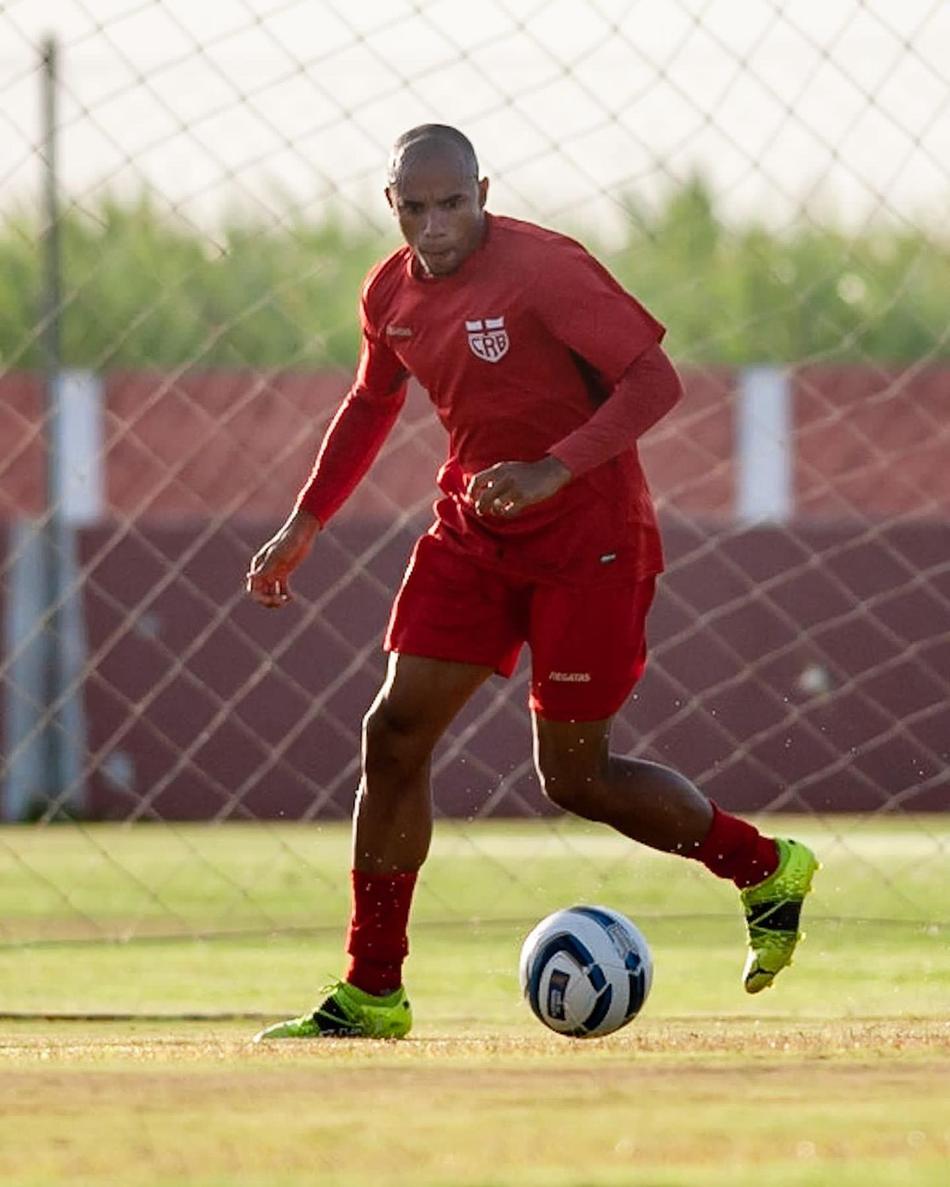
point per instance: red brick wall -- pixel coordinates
(872, 442)
(868, 442)
(21, 445)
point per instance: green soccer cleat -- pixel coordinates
(772, 910)
(348, 1013)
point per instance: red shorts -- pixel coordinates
(588, 644)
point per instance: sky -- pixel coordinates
(265, 105)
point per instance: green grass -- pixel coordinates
(144, 288)
(839, 1076)
(243, 918)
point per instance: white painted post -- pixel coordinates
(79, 432)
(32, 640)
(764, 478)
(24, 649)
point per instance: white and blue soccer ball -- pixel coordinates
(586, 971)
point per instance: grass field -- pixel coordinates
(838, 1076)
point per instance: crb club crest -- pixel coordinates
(488, 338)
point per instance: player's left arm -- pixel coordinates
(644, 394)
(582, 305)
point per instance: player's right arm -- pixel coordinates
(351, 443)
(270, 568)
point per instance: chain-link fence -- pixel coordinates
(194, 194)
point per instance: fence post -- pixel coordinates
(764, 478)
(62, 725)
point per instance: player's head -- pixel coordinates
(436, 194)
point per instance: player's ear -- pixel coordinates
(388, 191)
(482, 192)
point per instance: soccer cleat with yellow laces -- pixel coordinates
(772, 910)
(348, 1013)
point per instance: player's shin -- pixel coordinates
(377, 940)
(736, 850)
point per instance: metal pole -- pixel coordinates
(50, 340)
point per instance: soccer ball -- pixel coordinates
(585, 971)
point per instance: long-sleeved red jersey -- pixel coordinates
(529, 348)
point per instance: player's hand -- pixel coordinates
(508, 487)
(271, 566)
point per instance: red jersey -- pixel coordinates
(516, 348)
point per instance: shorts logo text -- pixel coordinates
(488, 338)
(570, 677)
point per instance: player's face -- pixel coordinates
(440, 209)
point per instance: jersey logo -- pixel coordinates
(488, 338)
(398, 331)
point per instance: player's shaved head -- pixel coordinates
(436, 194)
(428, 141)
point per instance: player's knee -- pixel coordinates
(395, 748)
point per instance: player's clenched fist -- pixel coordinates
(507, 488)
(271, 566)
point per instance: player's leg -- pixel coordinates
(646, 801)
(588, 648)
(393, 817)
(588, 651)
(661, 808)
(391, 835)
(447, 608)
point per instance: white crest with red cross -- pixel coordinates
(488, 338)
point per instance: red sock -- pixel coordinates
(736, 849)
(377, 940)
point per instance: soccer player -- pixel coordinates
(545, 373)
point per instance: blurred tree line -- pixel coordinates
(147, 290)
